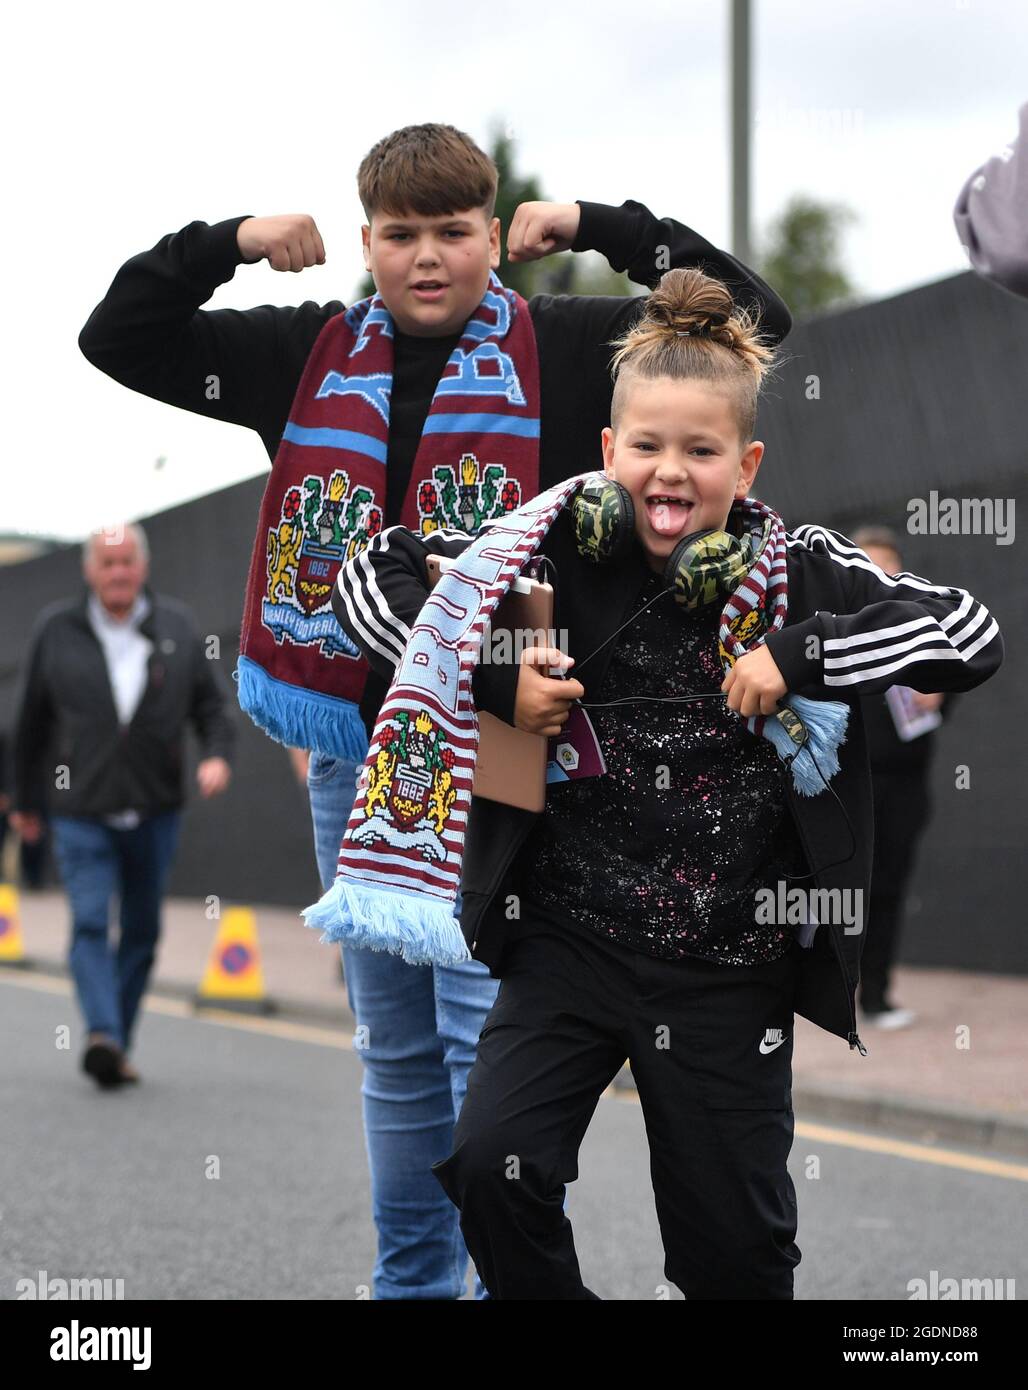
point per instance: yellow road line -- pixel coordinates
(920, 1153)
(183, 1008)
(330, 1037)
(46, 983)
(896, 1148)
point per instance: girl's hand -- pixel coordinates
(542, 703)
(541, 229)
(754, 684)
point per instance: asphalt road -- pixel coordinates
(112, 1184)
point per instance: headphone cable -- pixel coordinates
(580, 664)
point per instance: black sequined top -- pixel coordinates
(666, 852)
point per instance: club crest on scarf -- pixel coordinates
(410, 788)
(744, 627)
(319, 530)
(480, 496)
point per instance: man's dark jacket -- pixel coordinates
(67, 717)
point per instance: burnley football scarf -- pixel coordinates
(400, 859)
(299, 675)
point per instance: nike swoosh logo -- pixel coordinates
(766, 1047)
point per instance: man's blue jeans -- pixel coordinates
(96, 862)
(423, 1023)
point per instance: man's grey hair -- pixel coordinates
(113, 535)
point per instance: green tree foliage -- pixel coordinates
(802, 259)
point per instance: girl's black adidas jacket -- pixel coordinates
(851, 630)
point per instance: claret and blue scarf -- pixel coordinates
(300, 677)
(400, 859)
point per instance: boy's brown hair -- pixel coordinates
(427, 169)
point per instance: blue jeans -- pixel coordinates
(423, 1023)
(97, 861)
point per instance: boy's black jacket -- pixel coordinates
(244, 365)
(851, 630)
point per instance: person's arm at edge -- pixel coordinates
(209, 708)
(32, 730)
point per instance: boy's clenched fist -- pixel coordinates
(288, 242)
(542, 229)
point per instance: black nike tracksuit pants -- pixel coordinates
(710, 1047)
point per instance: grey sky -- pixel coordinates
(125, 122)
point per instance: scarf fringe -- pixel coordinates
(422, 931)
(300, 718)
(825, 722)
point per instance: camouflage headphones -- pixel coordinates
(704, 565)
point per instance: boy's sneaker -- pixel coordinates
(888, 1018)
(102, 1060)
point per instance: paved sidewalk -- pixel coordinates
(918, 1080)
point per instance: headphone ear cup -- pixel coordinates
(674, 561)
(604, 521)
(692, 568)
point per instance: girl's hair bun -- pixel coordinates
(695, 305)
(686, 324)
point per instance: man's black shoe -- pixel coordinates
(102, 1060)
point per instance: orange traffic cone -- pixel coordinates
(234, 978)
(12, 948)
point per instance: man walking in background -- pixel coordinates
(111, 678)
(900, 729)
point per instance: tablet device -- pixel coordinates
(511, 764)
